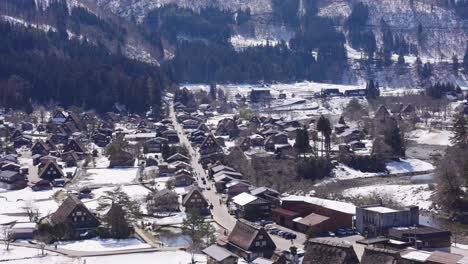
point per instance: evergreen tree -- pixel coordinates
(302, 140)
(213, 92)
(118, 197)
(342, 121)
(194, 226)
(324, 127)
(465, 60)
(394, 138)
(373, 90)
(116, 220)
(460, 129)
(455, 64)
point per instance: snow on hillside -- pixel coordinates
(240, 42)
(43, 4)
(139, 8)
(443, 31)
(18, 21)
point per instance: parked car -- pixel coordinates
(341, 232)
(290, 236)
(264, 223)
(274, 231)
(59, 182)
(350, 231)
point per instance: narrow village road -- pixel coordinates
(220, 211)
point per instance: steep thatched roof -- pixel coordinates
(381, 256)
(322, 251)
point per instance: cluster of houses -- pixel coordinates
(390, 236)
(394, 229)
(54, 146)
(379, 250)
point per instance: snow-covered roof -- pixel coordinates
(218, 253)
(343, 207)
(417, 255)
(381, 209)
(243, 199)
(24, 225)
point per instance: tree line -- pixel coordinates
(42, 67)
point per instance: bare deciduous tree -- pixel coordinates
(6, 236)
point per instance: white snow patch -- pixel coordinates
(97, 244)
(175, 219)
(109, 176)
(431, 137)
(241, 42)
(407, 195)
(409, 165)
(169, 257)
(343, 172)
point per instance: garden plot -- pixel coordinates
(100, 245)
(406, 195)
(113, 176)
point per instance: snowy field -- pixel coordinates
(407, 195)
(18, 255)
(241, 42)
(15, 254)
(431, 137)
(136, 192)
(97, 244)
(300, 89)
(343, 172)
(170, 257)
(109, 176)
(408, 165)
(301, 102)
(13, 204)
(175, 219)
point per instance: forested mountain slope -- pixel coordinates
(400, 43)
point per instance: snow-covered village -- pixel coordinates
(234, 131)
(237, 174)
